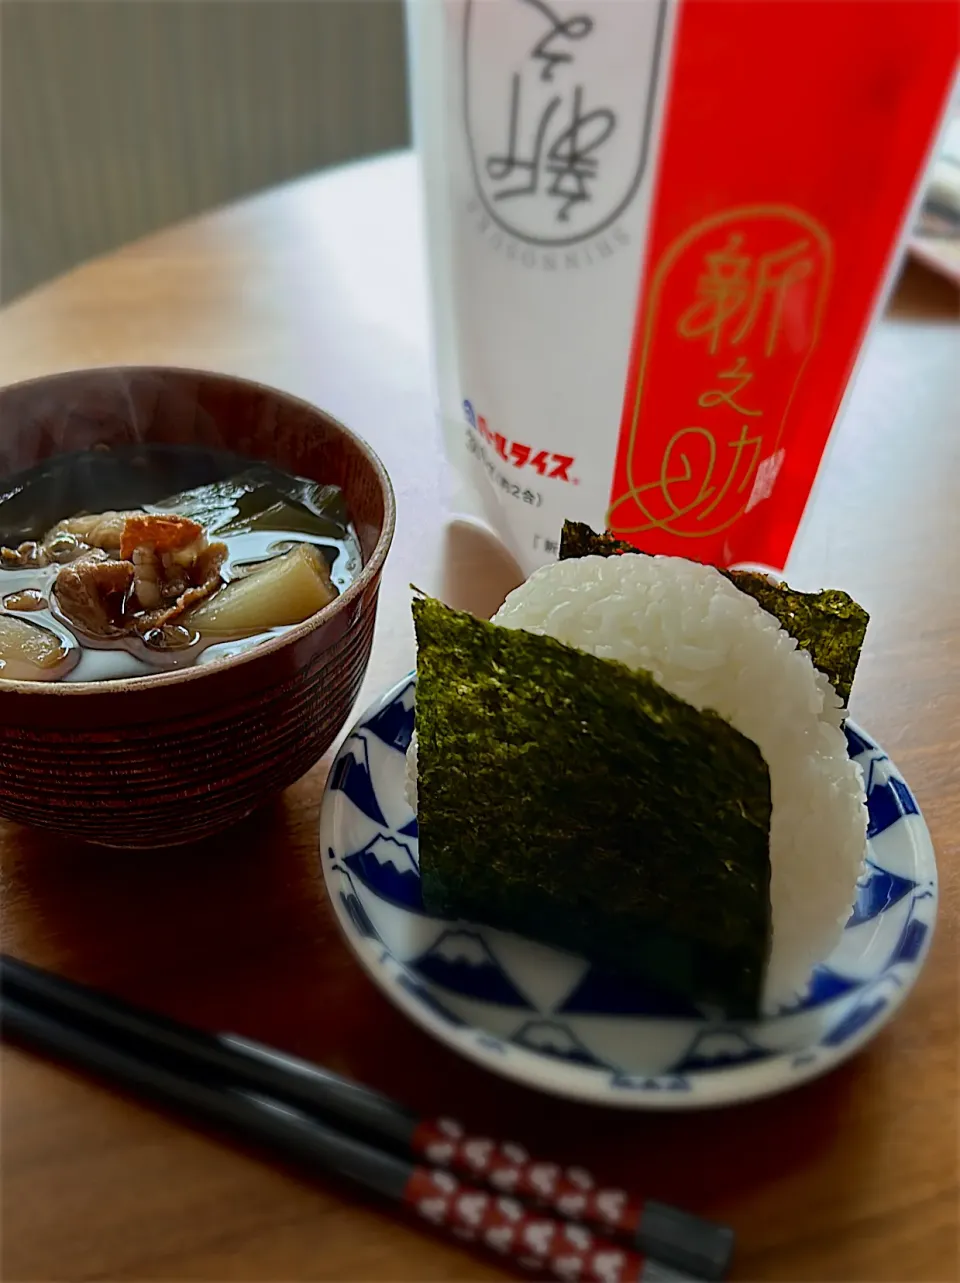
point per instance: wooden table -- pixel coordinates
(318, 287)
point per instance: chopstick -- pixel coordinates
(666, 1234)
(519, 1233)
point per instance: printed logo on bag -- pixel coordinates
(558, 144)
(734, 312)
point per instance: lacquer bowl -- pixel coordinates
(152, 761)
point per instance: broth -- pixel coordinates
(244, 541)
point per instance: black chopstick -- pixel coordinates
(292, 1134)
(352, 1107)
(667, 1234)
(521, 1234)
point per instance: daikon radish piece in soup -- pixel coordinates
(277, 594)
(29, 653)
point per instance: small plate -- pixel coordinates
(547, 1018)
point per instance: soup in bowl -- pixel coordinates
(189, 570)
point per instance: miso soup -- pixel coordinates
(134, 561)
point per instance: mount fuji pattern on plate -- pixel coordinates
(552, 1020)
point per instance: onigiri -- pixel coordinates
(710, 644)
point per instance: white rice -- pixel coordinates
(712, 645)
(410, 782)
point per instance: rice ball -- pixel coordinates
(712, 645)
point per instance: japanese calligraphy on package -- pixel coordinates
(659, 231)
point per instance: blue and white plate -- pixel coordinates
(550, 1020)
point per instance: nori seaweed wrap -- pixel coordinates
(828, 624)
(576, 801)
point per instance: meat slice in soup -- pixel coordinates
(165, 552)
(92, 593)
(90, 530)
(167, 566)
(28, 556)
(192, 583)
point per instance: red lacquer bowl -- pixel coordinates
(150, 761)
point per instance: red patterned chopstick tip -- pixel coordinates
(569, 1191)
(511, 1228)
